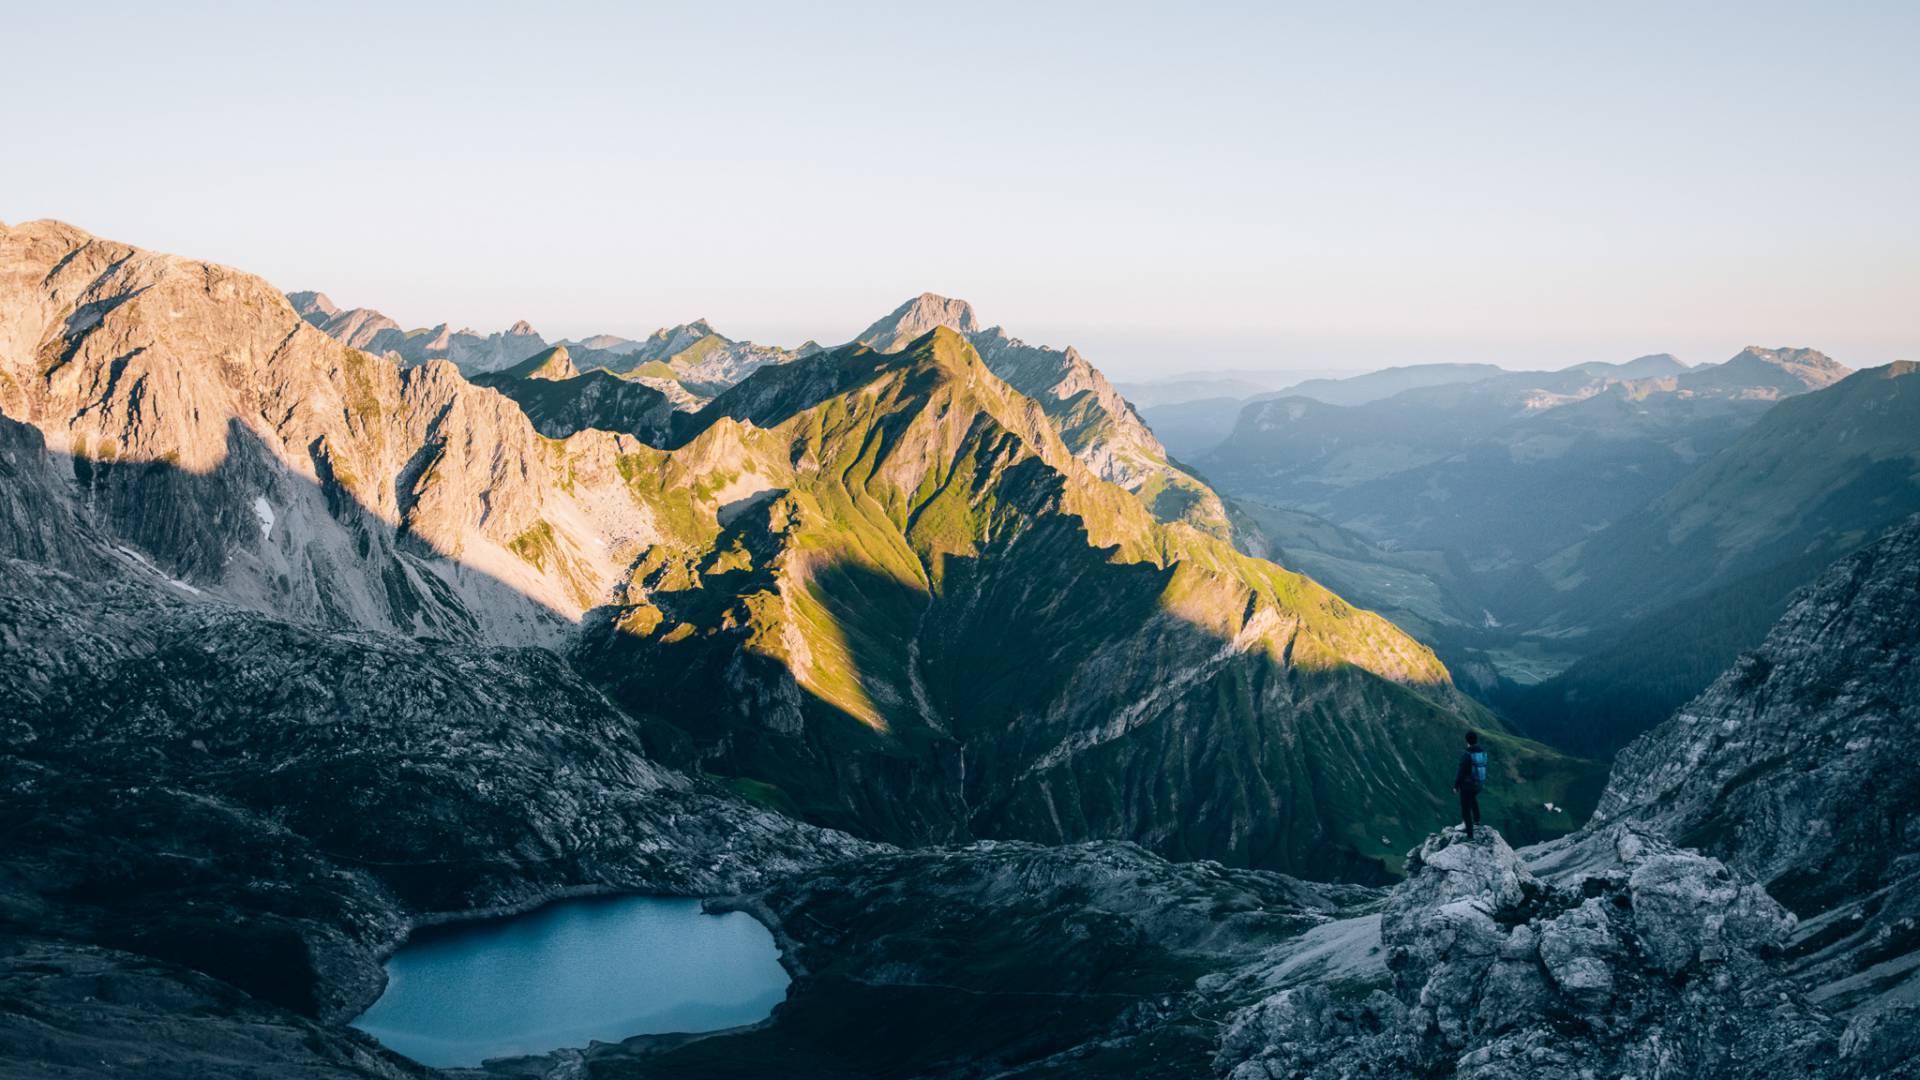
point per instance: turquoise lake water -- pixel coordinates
(571, 972)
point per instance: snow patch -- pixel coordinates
(148, 563)
(263, 510)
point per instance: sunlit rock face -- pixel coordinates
(1100, 427)
(187, 404)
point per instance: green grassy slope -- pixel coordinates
(922, 617)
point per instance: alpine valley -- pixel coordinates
(1040, 749)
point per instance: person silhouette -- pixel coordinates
(1468, 779)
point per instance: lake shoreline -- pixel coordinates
(515, 971)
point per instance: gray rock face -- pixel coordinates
(81, 1010)
(214, 440)
(1797, 767)
(1615, 952)
(1622, 956)
(894, 330)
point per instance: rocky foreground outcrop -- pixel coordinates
(1615, 954)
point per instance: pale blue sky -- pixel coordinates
(1167, 186)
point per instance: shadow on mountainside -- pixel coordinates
(1042, 691)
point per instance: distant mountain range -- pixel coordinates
(370, 331)
(1676, 590)
(1211, 385)
(1474, 466)
(1642, 522)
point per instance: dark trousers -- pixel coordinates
(1469, 808)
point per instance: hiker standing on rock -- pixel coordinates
(1468, 779)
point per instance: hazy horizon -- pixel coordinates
(1166, 191)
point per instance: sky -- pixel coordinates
(1170, 187)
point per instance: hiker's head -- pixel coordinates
(1473, 738)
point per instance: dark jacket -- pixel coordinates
(1463, 776)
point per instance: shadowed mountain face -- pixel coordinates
(560, 400)
(1815, 477)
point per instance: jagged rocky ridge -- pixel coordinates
(1096, 423)
(692, 363)
(370, 331)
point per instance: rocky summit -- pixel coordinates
(1614, 954)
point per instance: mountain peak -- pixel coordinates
(310, 302)
(1785, 355)
(1791, 370)
(521, 328)
(911, 320)
(554, 364)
